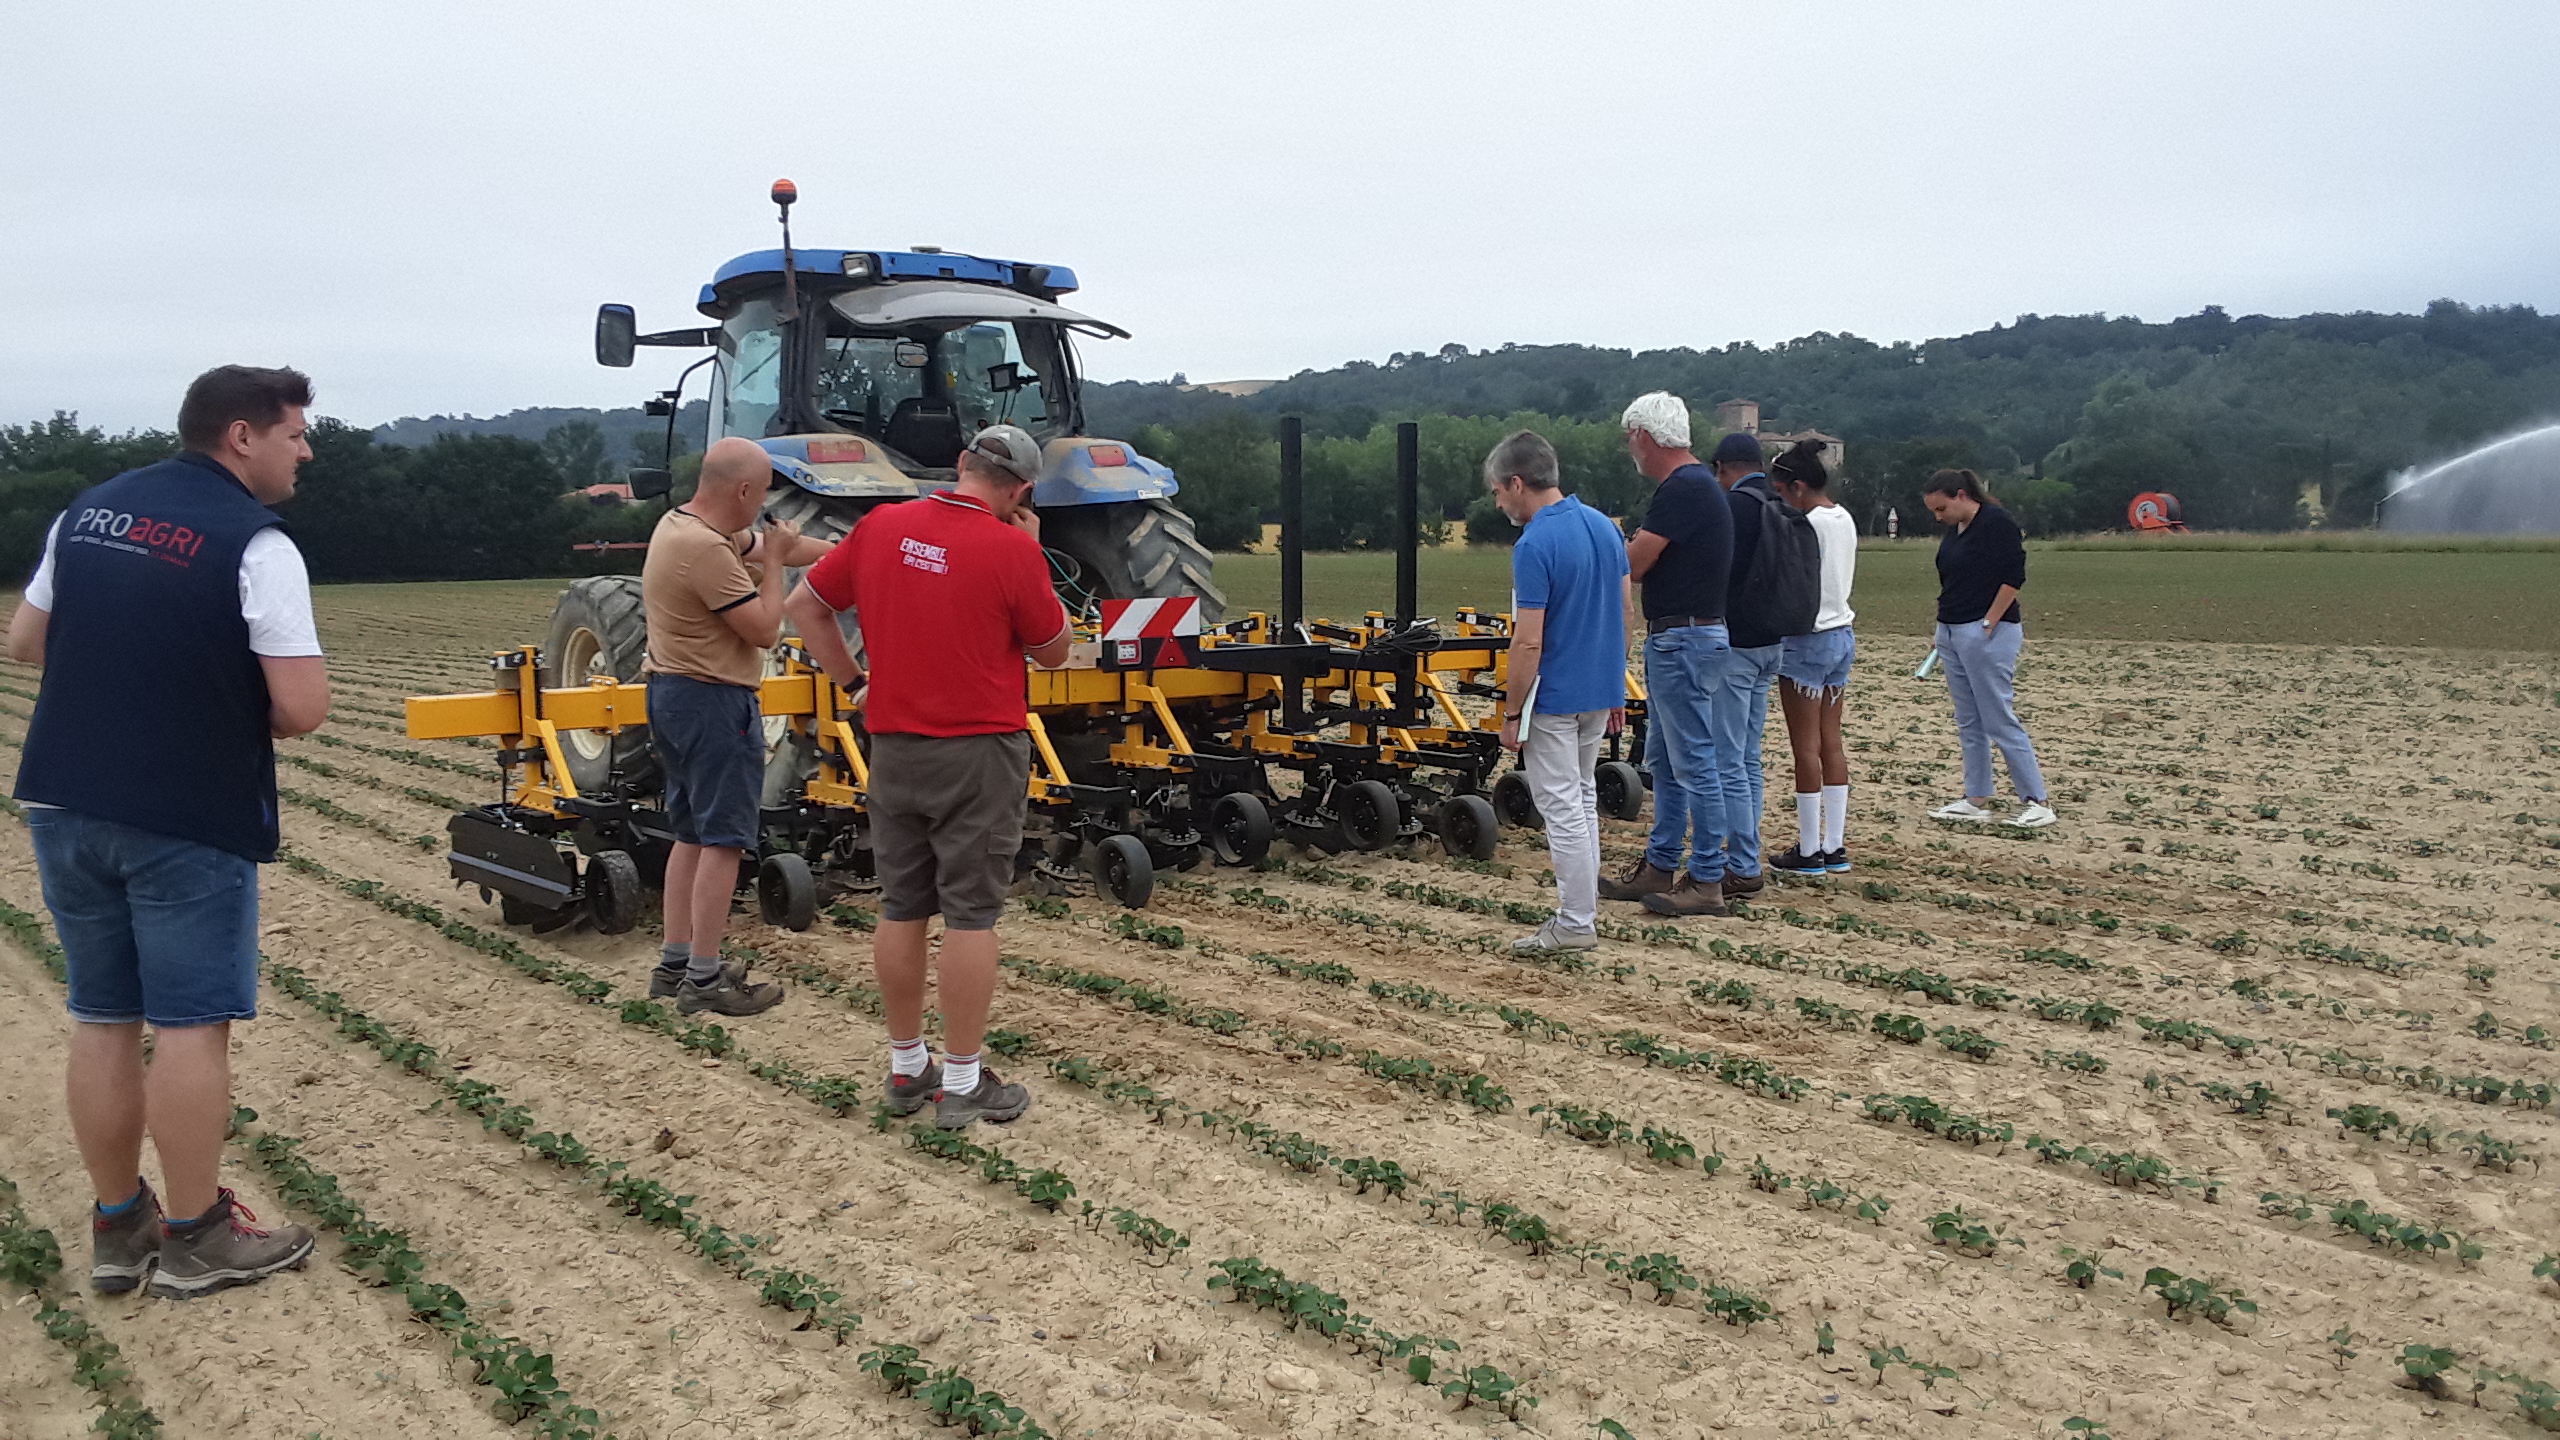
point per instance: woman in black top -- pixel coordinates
(1982, 565)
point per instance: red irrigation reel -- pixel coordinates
(2155, 510)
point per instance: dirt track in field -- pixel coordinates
(2340, 832)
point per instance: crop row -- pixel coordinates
(31, 1260)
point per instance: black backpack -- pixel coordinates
(1783, 593)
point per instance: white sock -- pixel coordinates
(959, 1074)
(1835, 817)
(1808, 822)
(909, 1057)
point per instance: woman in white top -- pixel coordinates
(1813, 671)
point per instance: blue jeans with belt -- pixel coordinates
(1680, 750)
(1738, 709)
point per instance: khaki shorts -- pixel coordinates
(946, 824)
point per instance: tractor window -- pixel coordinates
(859, 383)
(966, 355)
(751, 355)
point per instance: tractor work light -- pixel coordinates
(857, 265)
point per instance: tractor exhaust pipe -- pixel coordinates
(1293, 555)
(1408, 520)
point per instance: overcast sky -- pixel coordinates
(421, 204)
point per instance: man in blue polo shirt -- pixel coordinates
(1567, 683)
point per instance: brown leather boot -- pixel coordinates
(1743, 887)
(1640, 880)
(1688, 896)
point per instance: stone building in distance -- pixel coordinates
(1743, 416)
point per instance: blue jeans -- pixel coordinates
(153, 927)
(1680, 750)
(1982, 672)
(1738, 710)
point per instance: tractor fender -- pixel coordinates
(1084, 471)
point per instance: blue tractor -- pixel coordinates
(864, 373)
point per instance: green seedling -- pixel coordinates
(2084, 1270)
(1966, 1234)
(2218, 1304)
(2342, 1347)
(1904, 1028)
(2425, 1367)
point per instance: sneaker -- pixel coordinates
(1797, 862)
(728, 993)
(910, 1093)
(1641, 879)
(2036, 816)
(1690, 896)
(993, 1101)
(123, 1248)
(1836, 861)
(667, 984)
(222, 1248)
(1963, 810)
(1743, 887)
(1552, 938)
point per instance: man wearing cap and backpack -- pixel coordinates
(954, 592)
(1772, 591)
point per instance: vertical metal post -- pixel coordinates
(1408, 520)
(1293, 528)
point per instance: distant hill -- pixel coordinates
(532, 423)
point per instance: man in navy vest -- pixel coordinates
(152, 805)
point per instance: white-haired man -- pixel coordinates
(1681, 556)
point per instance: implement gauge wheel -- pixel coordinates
(1240, 829)
(1121, 866)
(1467, 827)
(786, 893)
(1369, 813)
(1621, 788)
(599, 632)
(613, 891)
(1514, 803)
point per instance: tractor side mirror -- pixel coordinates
(1004, 377)
(912, 355)
(617, 331)
(649, 484)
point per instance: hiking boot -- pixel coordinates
(1551, 938)
(1688, 896)
(222, 1248)
(728, 993)
(123, 1248)
(993, 1101)
(2036, 816)
(1743, 887)
(1796, 862)
(666, 983)
(911, 1093)
(1836, 861)
(1962, 810)
(1641, 879)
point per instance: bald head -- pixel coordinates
(735, 474)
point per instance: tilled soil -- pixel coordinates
(2305, 871)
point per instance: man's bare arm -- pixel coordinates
(297, 693)
(821, 636)
(1643, 548)
(26, 634)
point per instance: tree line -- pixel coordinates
(459, 507)
(2244, 418)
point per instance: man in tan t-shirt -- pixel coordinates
(713, 593)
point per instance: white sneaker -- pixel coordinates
(1964, 810)
(2036, 816)
(1552, 938)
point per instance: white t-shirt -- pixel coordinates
(275, 594)
(1838, 536)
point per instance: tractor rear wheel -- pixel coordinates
(598, 630)
(1134, 550)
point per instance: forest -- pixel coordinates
(2255, 423)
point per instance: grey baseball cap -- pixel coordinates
(1009, 448)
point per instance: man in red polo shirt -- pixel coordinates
(953, 590)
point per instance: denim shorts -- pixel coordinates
(153, 927)
(710, 742)
(1818, 663)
